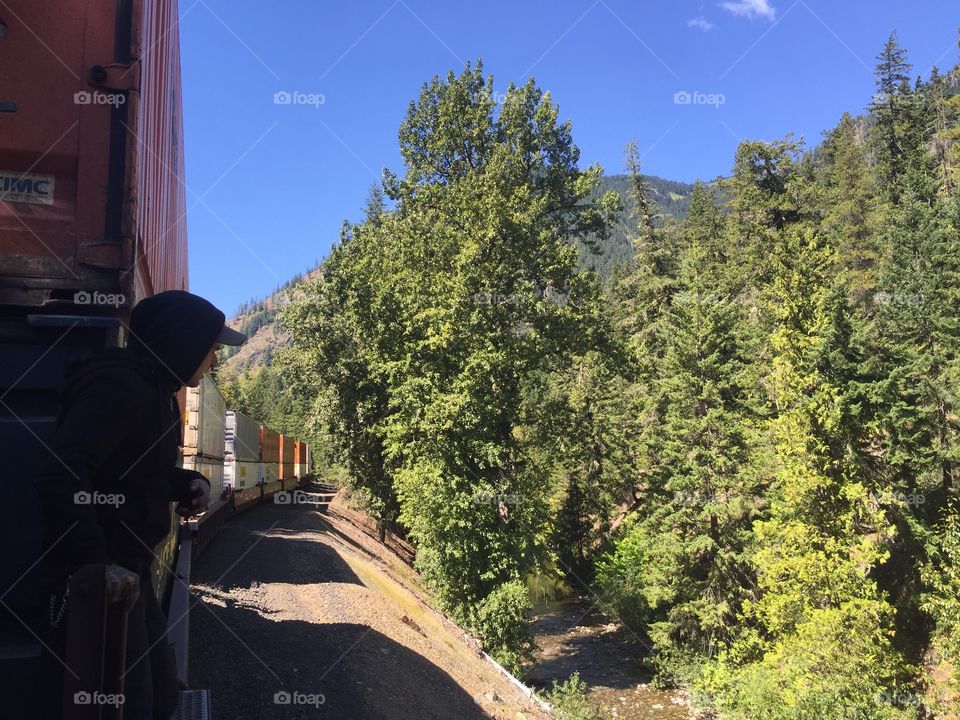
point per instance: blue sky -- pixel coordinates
(269, 184)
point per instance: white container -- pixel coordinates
(241, 437)
(240, 475)
(211, 469)
(204, 420)
(269, 473)
(302, 466)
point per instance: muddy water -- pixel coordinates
(573, 636)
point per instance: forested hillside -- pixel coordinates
(745, 443)
(246, 369)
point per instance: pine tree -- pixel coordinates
(892, 75)
(817, 634)
(851, 218)
(699, 504)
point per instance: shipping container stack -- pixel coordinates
(288, 453)
(298, 458)
(203, 436)
(241, 452)
(269, 460)
(301, 460)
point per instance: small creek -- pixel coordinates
(574, 636)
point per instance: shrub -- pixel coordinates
(501, 621)
(569, 698)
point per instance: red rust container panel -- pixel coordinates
(287, 449)
(269, 445)
(287, 453)
(161, 214)
(92, 199)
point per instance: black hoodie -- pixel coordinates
(107, 484)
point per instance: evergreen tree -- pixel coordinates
(851, 216)
(698, 508)
(889, 108)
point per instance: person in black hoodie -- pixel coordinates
(107, 484)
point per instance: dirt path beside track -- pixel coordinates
(292, 603)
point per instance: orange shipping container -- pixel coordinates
(269, 445)
(287, 452)
(93, 211)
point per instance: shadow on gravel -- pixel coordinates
(277, 554)
(346, 671)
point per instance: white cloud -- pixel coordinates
(751, 8)
(700, 22)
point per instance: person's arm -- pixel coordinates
(90, 429)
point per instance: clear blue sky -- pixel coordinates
(269, 184)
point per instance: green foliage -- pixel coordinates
(569, 698)
(941, 598)
(431, 323)
(747, 438)
(837, 663)
(501, 621)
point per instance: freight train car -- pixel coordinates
(269, 461)
(288, 475)
(92, 219)
(204, 427)
(241, 472)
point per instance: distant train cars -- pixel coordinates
(241, 468)
(245, 461)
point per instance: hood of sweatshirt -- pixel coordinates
(173, 331)
(170, 334)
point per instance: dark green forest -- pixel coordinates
(732, 415)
